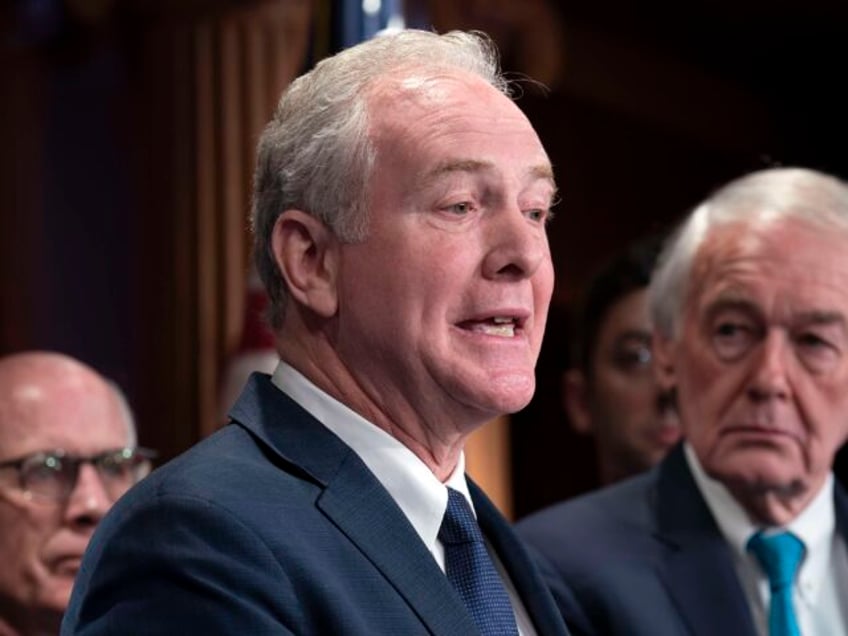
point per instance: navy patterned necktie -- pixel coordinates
(471, 571)
(780, 555)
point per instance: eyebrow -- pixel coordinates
(815, 316)
(541, 171)
(459, 165)
(731, 303)
(630, 335)
(823, 318)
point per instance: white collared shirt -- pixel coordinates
(820, 592)
(413, 486)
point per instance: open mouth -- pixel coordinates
(499, 326)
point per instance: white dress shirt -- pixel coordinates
(820, 592)
(413, 486)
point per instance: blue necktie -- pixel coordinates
(780, 555)
(471, 571)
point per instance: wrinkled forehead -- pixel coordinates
(723, 243)
(721, 248)
(765, 240)
(775, 253)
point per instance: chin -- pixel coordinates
(57, 597)
(497, 404)
(759, 472)
(513, 393)
(495, 395)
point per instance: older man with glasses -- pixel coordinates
(67, 452)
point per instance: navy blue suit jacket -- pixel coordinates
(274, 526)
(644, 558)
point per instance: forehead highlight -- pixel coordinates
(48, 399)
(795, 263)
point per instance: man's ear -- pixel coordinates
(575, 400)
(663, 352)
(306, 251)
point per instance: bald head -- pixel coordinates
(51, 403)
(46, 390)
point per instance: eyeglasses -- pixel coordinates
(53, 474)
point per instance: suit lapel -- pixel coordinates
(519, 565)
(841, 505)
(359, 505)
(696, 565)
(354, 501)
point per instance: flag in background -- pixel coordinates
(361, 20)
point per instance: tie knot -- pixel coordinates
(779, 554)
(459, 524)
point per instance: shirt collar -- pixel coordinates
(413, 486)
(814, 526)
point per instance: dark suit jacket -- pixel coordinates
(645, 557)
(274, 526)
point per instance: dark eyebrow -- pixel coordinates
(823, 318)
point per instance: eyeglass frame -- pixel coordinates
(128, 453)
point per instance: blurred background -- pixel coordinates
(128, 129)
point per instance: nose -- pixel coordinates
(518, 246)
(769, 375)
(89, 500)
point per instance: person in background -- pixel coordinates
(400, 209)
(67, 452)
(611, 392)
(742, 528)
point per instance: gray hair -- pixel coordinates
(315, 155)
(756, 200)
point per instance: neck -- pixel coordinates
(437, 443)
(771, 506)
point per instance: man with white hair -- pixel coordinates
(400, 208)
(742, 529)
(67, 452)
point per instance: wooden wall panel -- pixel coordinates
(487, 455)
(23, 79)
(210, 83)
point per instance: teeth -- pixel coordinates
(506, 331)
(501, 326)
(504, 328)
